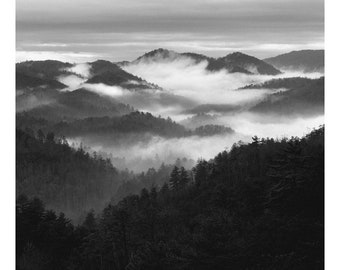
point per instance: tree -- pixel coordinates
(90, 222)
(184, 178)
(201, 172)
(175, 179)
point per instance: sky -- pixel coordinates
(85, 30)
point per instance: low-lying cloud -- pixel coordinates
(187, 85)
(139, 155)
(186, 78)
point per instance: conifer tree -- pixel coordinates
(184, 177)
(175, 179)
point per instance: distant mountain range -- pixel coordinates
(235, 62)
(41, 94)
(304, 97)
(38, 90)
(69, 105)
(45, 74)
(119, 127)
(111, 74)
(250, 63)
(287, 83)
(304, 60)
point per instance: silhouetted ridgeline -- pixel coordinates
(73, 181)
(306, 99)
(305, 60)
(115, 127)
(65, 178)
(257, 206)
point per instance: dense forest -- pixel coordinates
(257, 206)
(305, 60)
(60, 106)
(304, 97)
(284, 83)
(65, 178)
(71, 180)
(119, 126)
(234, 63)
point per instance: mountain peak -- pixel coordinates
(250, 63)
(238, 55)
(158, 54)
(303, 60)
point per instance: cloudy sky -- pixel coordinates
(83, 30)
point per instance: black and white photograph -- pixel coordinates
(169, 135)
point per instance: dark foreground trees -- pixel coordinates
(257, 206)
(63, 177)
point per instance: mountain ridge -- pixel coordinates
(228, 62)
(304, 60)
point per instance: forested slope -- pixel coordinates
(64, 178)
(257, 206)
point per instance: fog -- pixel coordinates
(188, 89)
(81, 73)
(185, 78)
(72, 81)
(82, 69)
(139, 154)
(26, 102)
(145, 154)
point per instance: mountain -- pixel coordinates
(249, 63)
(256, 206)
(25, 82)
(118, 128)
(200, 119)
(133, 123)
(211, 130)
(48, 69)
(40, 75)
(304, 60)
(307, 100)
(158, 55)
(111, 74)
(234, 62)
(67, 179)
(216, 64)
(77, 104)
(167, 56)
(212, 108)
(46, 74)
(287, 83)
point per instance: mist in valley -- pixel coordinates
(192, 96)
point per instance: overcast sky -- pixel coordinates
(83, 30)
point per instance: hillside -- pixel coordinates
(249, 63)
(135, 122)
(258, 206)
(110, 74)
(66, 179)
(27, 82)
(307, 100)
(304, 60)
(81, 103)
(47, 74)
(166, 56)
(106, 128)
(48, 69)
(282, 83)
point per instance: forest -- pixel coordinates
(71, 180)
(112, 127)
(258, 205)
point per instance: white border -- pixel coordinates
(332, 127)
(7, 195)
(7, 134)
